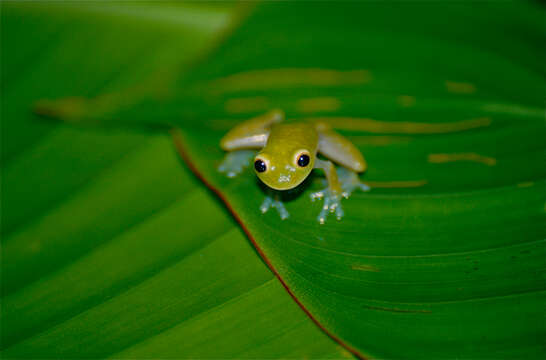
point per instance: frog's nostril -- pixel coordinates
(290, 168)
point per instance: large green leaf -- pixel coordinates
(452, 265)
(445, 256)
(181, 268)
(109, 245)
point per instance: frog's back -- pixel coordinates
(284, 137)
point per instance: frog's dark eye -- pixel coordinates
(303, 160)
(259, 165)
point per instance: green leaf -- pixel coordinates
(148, 282)
(109, 246)
(445, 256)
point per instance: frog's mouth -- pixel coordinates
(286, 181)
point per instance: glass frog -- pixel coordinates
(287, 155)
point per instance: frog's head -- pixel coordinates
(285, 170)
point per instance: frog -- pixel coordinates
(284, 155)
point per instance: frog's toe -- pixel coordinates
(339, 212)
(364, 187)
(277, 204)
(331, 205)
(266, 204)
(323, 215)
(317, 195)
(283, 213)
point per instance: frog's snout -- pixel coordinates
(284, 178)
(279, 180)
(286, 175)
(279, 176)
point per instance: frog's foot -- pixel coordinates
(349, 182)
(234, 162)
(332, 204)
(269, 202)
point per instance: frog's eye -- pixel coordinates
(260, 165)
(303, 159)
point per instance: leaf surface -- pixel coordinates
(445, 256)
(109, 245)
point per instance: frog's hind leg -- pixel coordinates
(339, 149)
(252, 133)
(344, 181)
(235, 162)
(350, 182)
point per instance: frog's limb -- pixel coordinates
(255, 140)
(331, 195)
(234, 162)
(339, 149)
(350, 182)
(269, 202)
(252, 133)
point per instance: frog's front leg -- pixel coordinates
(270, 202)
(331, 195)
(235, 161)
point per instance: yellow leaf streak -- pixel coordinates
(460, 87)
(514, 109)
(362, 267)
(401, 127)
(525, 184)
(287, 77)
(73, 108)
(318, 104)
(445, 158)
(379, 140)
(396, 184)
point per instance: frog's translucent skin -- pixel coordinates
(235, 162)
(332, 200)
(281, 145)
(269, 202)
